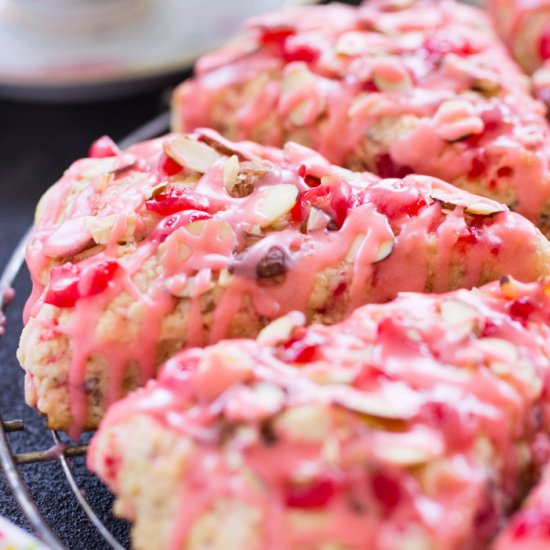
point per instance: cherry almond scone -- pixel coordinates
(416, 424)
(395, 87)
(188, 239)
(525, 26)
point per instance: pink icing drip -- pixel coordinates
(419, 363)
(448, 51)
(381, 211)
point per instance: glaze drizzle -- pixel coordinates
(133, 259)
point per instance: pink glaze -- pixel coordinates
(379, 64)
(460, 391)
(380, 240)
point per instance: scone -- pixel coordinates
(414, 424)
(189, 239)
(395, 87)
(525, 26)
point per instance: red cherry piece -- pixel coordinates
(276, 36)
(103, 147)
(315, 197)
(340, 289)
(487, 518)
(469, 237)
(169, 166)
(177, 199)
(493, 118)
(302, 349)
(387, 491)
(505, 172)
(300, 52)
(168, 225)
(369, 86)
(448, 419)
(395, 201)
(386, 168)
(99, 276)
(315, 495)
(531, 522)
(63, 287)
(340, 202)
(436, 47)
(522, 308)
(544, 43)
(491, 328)
(112, 466)
(479, 164)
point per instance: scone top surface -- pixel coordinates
(420, 420)
(394, 87)
(190, 238)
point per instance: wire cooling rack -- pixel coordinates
(59, 451)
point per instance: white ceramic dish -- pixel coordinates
(88, 49)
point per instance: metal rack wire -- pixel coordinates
(9, 460)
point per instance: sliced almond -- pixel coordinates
(446, 197)
(351, 43)
(376, 405)
(195, 228)
(390, 76)
(223, 228)
(281, 329)
(101, 228)
(253, 404)
(69, 238)
(230, 173)
(354, 248)
(277, 201)
(498, 349)
(484, 208)
(189, 153)
(396, 5)
(541, 78)
(299, 115)
(297, 75)
(224, 278)
(305, 423)
(403, 450)
(384, 250)
(317, 219)
(456, 119)
(403, 455)
(94, 168)
(455, 312)
(219, 369)
(510, 287)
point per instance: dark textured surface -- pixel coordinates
(37, 142)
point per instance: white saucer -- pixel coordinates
(89, 49)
